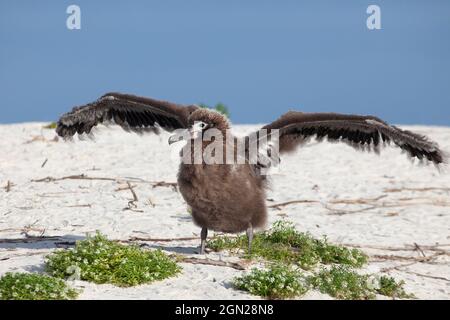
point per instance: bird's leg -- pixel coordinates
(203, 236)
(250, 237)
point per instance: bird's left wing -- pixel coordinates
(361, 132)
(131, 112)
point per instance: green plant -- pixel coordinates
(277, 282)
(220, 107)
(51, 125)
(100, 260)
(342, 283)
(387, 286)
(283, 243)
(29, 286)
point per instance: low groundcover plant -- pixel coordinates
(330, 267)
(343, 282)
(100, 260)
(276, 282)
(283, 243)
(30, 286)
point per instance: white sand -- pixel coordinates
(323, 172)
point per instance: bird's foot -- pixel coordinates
(203, 235)
(250, 238)
(202, 251)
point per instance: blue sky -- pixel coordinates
(261, 58)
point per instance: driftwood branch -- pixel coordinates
(342, 212)
(124, 188)
(395, 190)
(132, 203)
(358, 201)
(426, 275)
(159, 239)
(418, 248)
(80, 206)
(342, 201)
(211, 262)
(415, 261)
(135, 239)
(73, 177)
(378, 257)
(372, 203)
(436, 247)
(119, 180)
(61, 241)
(283, 204)
(172, 185)
(399, 203)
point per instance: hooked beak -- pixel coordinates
(193, 132)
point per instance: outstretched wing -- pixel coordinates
(131, 112)
(360, 132)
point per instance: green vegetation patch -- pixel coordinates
(283, 243)
(220, 107)
(51, 125)
(281, 281)
(29, 286)
(277, 282)
(387, 286)
(100, 260)
(343, 283)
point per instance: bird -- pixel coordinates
(231, 197)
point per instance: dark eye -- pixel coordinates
(202, 125)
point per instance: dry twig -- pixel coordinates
(426, 275)
(173, 185)
(283, 204)
(80, 206)
(436, 247)
(417, 247)
(394, 190)
(44, 163)
(217, 263)
(381, 257)
(159, 239)
(8, 186)
(119, 180)
(132, 203)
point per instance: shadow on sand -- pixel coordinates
(37, 243)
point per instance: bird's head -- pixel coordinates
(201, 120)
(205, 119)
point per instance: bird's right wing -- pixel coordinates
(131, 112)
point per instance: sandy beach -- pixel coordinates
(396, 211)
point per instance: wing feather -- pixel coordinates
(132, 113)
(360, 132)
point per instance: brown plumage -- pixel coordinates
(131, 112)
(231, 197)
